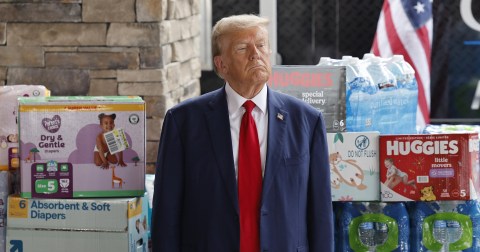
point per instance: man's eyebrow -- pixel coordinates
(240, 44)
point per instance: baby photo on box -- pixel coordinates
(82, 147)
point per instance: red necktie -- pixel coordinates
(249, 182)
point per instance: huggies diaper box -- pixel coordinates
(354, 173)
(73, 147)
(8, 118)
(77, 225)
(429, 167)
(323, 87)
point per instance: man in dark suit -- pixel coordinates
(201, 177)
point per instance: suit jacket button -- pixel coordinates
(264, 212)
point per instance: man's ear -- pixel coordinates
(218, 61)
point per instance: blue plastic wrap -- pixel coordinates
(353, 214)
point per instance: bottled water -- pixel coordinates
(474, 214)
(362, 79)
(454, 231)
(407, 93)
(367, 235)
(359, 91)
(386, 106)
(440, 233)
(403, 72)
(381, 233)
(368, 56)
(353, 87)
(325, 61)
(382, 77)
(351, 73)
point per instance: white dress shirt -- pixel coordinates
(260, 115)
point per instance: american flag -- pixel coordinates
(405, 27)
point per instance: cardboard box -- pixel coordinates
(323, 87)
(75, 147)
(59, 225)
(429, 167)
(5, 190)
(8, 116)
(354, 171)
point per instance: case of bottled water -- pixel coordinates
(381, 94)
(445, 226)
(372, 226)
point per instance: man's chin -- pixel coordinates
(261, 77)
(261, 72)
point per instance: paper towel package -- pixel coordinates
(426, 167)
(73, 147)
(354, 171)
(8, 116)
(77, 225)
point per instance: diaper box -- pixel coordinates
(74, 147)
(323, 87)
(429, 167)
(8, 116)
(5, 190)
(354, 170)
(77, 225)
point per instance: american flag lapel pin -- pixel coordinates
(280, 116)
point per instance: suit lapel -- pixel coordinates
(219, 130)
(277, 120)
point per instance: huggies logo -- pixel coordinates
(52, 125)
(420, 147)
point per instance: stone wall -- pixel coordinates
(148, 48)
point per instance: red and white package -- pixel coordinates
(429, 167)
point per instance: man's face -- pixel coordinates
(244, 58)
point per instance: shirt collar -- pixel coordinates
(235, 101)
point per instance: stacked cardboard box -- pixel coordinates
(82, 167)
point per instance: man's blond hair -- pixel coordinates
(233, 23)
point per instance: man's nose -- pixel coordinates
(254, 54)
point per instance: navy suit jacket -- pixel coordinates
(195, 204)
